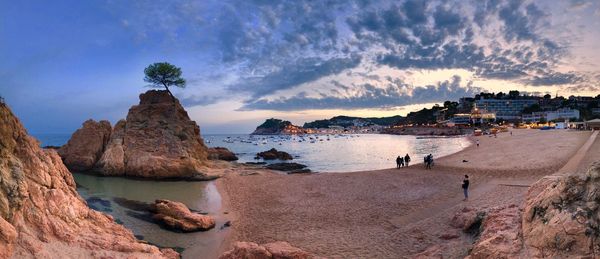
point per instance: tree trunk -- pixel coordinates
(168, 91)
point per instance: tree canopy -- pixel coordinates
(163, 74)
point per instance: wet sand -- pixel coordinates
(391, 213)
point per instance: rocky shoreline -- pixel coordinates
(34, 222)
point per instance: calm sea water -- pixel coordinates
(323, 153)
(341, 153)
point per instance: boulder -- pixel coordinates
(561, 216)
(41, 214)
(560, 219)
(221, 153)
(157, 140)
(468, 219)
(274, 250)
(273, 154)
(86, 145)
(501, 234)
(177, 216)
(290, 168)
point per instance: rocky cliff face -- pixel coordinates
(560, 219)
(41, 214)
(157, 140)
(562, 216)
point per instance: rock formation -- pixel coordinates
(275, 250)
(157, 140)
(273, 154)
(562, 216)
(41, 214)
(500, 236)
(86, 145)
(221, 153)
(177, 216)
(290, 168)
(560, 219)
(277, 127)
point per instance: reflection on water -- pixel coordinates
(119, 197)
(343, 153)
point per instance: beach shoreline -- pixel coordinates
(360, 214)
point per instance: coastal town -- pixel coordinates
(482, 112)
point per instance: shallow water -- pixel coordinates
(342, 153)
(107, 194)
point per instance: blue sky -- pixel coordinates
(62, 62)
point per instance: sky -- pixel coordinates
(62, 62)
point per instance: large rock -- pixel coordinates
(157, 140)
(501, 234)
(221, 153)
(275, 250)
(86, 145)
(41, 214)
(562, 217)
(177, 216)
(290, 168)
(273, 154)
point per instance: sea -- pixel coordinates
(326, 153)
(125, 198)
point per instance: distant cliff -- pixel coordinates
(347, 121)
(276, 126)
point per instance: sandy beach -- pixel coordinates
(393, 213)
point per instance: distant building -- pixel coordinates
(507, 109)
(592, 124)
(475, 116)
(461, 119)
(560, 114)
(581, 101)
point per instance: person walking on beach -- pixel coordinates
(431, 163)
(401, 161)
(428, 161)
(398, 159)
(477, 142)
(465, 186)
(406, 159)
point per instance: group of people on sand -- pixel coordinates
(428, 160)
(402, 161)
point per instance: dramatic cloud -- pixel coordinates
(394, 94)
(291, 75)
(272, 47)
